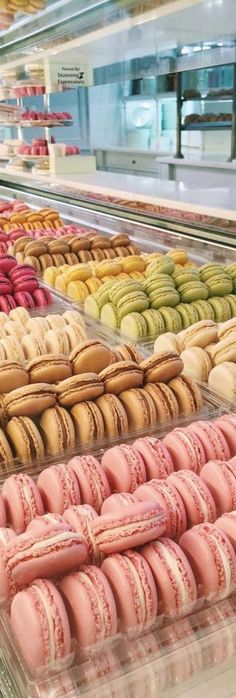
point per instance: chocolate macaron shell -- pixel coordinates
(49, 368)
(165, 401)
(84, 386)
(139, 407)
(57, 430)
(91, 355)
(121, 375)
(12, 375)
(161, 367)
(25, 439)
(187, 393)
(114, 415)
(29, 400)
(88, 422)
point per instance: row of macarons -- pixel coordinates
(52, 419)
(22, 214)
(176, 472)
(19, 286)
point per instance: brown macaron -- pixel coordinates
(58, 246)
(120, 240)
(162, 367)
(120, 376)
(128, 352)
(77, 244)
(187, 393)
(165, 401)
(114, 415)
(88, 422)
(29, 400)
(26, 439)
(84, 386)
(57, 430)
(100, 242)
(6, 455)
(49, 368)
(35, 248)
(91, 355)
(139, 407)
(71, 258)
(12, 375)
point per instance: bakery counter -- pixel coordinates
(198, 171)
(143, 198)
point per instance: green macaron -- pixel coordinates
(204, 310)
(164, 297)
(172, 320)
(210, 269)
(121, 288)
(230, 269)
(92, 307)
(185, 276)
(155, 322)
(163, 265)
(157, 281)
(219, 285)
(109, 316)
(193, 291)
(232, 302)
(134, 326)
(102, 294)
(188, 314)
(133, 302)
(221, 308)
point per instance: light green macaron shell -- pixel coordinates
(188, 314)
(231, 299)
(122, 288)
(165, 297)
(231, 270)
(164, 265)
(92, 307)
(172, 320)
(221, 308)
(210, 269)
(155, 322)
(219, 285)
(133, 302)
(204, 310)
(109, 315)
(185, 276)
(134, 326)
(193, 291)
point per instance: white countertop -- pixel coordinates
(213, 161)
(217, 201)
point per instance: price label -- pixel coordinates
(62, 75)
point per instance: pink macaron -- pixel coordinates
(47, 640)
(24, 299)
(168, 497)
(48, 521)
(197, 498)
(22, 501)
(7, 303)
(175, 583)
(59, 488)
(80, 519)
(5, 286)
(25, 283)
(227, 524)
(93, 483)
(212, 439)
(156, 457)
(134, 589)
(124, 468)
(220, 478)
(129, 527)
(20, 271)
(46, 554)
(117, 501)
(3, 516)
(227, 425)
(7, 263)
(89, 590)
(186, 449)
(42, 297)
(212, 559)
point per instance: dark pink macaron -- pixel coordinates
(7, 303)
(24, 299)
(42, 297)
(5, 286)
(7, 262)
(21, 270)
(26, 283)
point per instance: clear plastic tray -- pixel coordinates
(162, 661)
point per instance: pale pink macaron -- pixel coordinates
(7, 535)
(47, 522)
(129, 527)
(47, 554)
(227, 524)
(92, 480)
(124, 468)
(212, 559)
(156, 457)
(3, 516)
(80, 518)
(40, 626)
(186, 449)
(134, 589)
(220, 478)
(174, 579)
(22, 500)
(59, 488)
(197, 498)
(90, 605)
(227, 425)
(117, 501)
(212, 439)
(167, 496)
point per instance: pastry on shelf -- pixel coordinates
(45, 118)
(191, 93)
(27, 90)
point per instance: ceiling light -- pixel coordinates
(197, 48)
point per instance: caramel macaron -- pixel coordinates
(58, 430)
(91, 355)
(29, 400)
(187, 393)
(12, 375)
(88, 422)
(25, 439)
(139, 407)
(120, 376)
(162, 367)
(85, 386)
(114, 415)
(48, 368)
